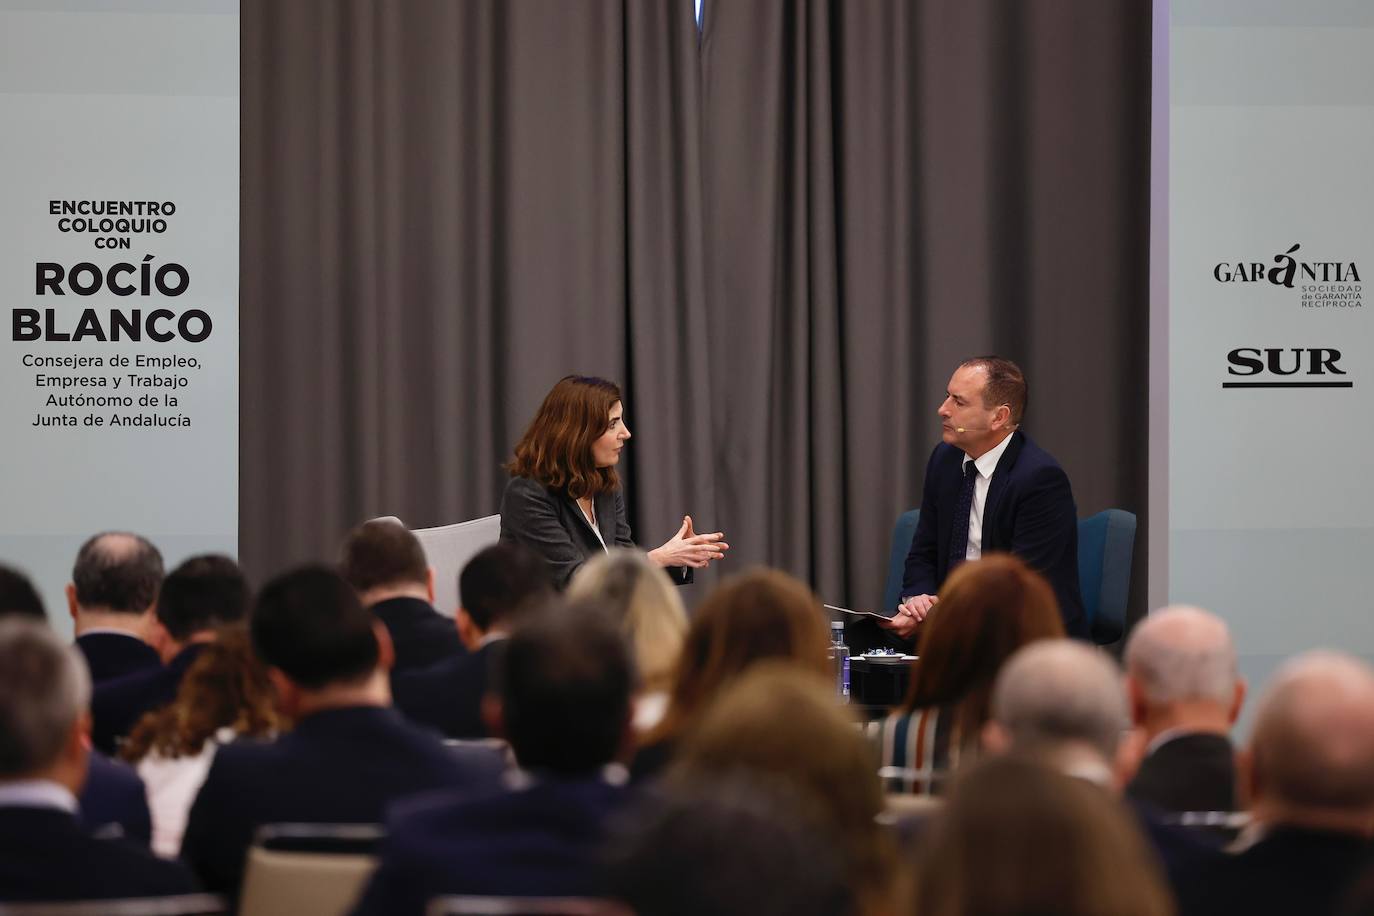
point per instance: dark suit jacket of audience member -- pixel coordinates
(1194, 772)
(541, 841)
(45, 854)
(118, 704)
(1289, 871)
(420, 634)
(111, 655)
(340, 766)
(447, 696)
(114, 797)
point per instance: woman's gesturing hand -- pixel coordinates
(687, 548)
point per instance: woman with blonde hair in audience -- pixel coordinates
(987, 610)
(759, 614)
(645, 602)
(224, 695)
(781, 724)
(1019, 839)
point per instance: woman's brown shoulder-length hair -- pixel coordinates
(988, 609)
(556, 449)
(757, 614)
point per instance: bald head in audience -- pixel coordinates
(114, 584)
(1062, 702)
(1181, 673)
(1310, 762)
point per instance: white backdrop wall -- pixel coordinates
(1270, 346)
(119, 207)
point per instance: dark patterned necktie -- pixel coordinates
(958, 541)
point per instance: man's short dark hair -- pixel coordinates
(1006, 384)
(501, 579)
(203, 593)
(383, 552)
(18, 597)
(310, 624)
(564, 680)
(117, 571)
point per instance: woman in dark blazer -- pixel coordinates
(564, 500)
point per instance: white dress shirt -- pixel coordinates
(986, 464)
(37, 793)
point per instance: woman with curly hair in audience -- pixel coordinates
(759, 614)
(987, 610)
(225, 694)
(641, 597)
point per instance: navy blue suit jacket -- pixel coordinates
(46, 855)
(447, 696)
(341, 766)
(118, 704)
(114, 796)
(420, 635)
(111, 655)
(541, 841)
(1029, 511)
(1290, 870)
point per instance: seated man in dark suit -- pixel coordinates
(1310, 771)
(563, 703)
(113, 801)
(387, 565)
(349, 754)
(1185, 695)
(987, 487)
(111, 596)
(197, 598)
(45, 853)
(495, 584)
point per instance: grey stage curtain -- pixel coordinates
(892, 187)
(447, 206)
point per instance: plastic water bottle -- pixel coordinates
(839, 654)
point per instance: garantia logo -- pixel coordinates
(1286, 270)
(1266, 367)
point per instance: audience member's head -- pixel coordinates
(201, 595)
(642, 597)
(756, 615)
(225, 687)
(114, 583)
(563, 684)
(382, 560)
(783, 725)
(736, 847)
(45, 694)
(1018, 839)
(18, 597)
(987, 610)
(1310, 761)
(1181, 673)
(496, 586)
(322, 647)
(1062, 702)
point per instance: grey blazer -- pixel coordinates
(552, 525)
